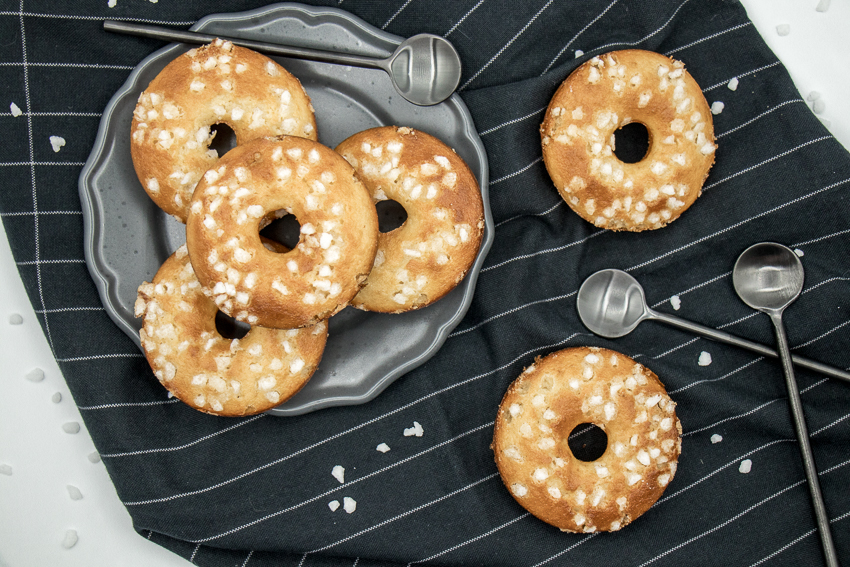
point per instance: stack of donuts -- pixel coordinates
(278, 168)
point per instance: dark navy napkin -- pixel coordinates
(255, 491)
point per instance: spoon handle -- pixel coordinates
(722, 337)
(185, 36)
(800, 428)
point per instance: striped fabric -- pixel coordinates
(255, 491)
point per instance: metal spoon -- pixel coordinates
(425, 69)
(611, 303)
(769, 277)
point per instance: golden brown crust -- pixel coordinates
(218, 83)
(252, 184)
(603, 95)
(569, 388)
(208, 372)
(425, 258)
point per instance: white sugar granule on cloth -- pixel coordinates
(746, 466)
(799, 252)
(70, 539)
(333, 505)
(338, 473)
(717, 107)
(16, 111)
(16, 319)
(579, 53)
(783, 29)
(704, 359)
(57, 142)
(733, 84)
(94, 457)
(716, 438)
(349, 504)
(71, 427)
(383, 448)
(56, 398)
(676, 302)
(822, 6)
(415, 430)
(6, 469)
(112, 3)
(35, 375)
(74, 492)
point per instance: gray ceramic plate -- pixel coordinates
(127, 237)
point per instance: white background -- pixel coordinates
(35, 507)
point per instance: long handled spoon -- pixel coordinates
(425, 69)
(769, 277)
(611, 303)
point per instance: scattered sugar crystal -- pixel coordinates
(94, 457)
(112, 3)
(74, 492)
(35, 375)
(799, 252)
(818, 106)
(70, 539)
(15, 319)
(733, 84)
(676, 302)
(717, 107)
(56, 398)
(339, 473)
(349, 504)
(579, 53)
(704, 359)
(71, 427)
(383, 448)
(6, 469)
(783, 29)
(814, 95)
(333, 505)
(822, 6)
(415, 430)
(716, 438)
(57, 142)
(746, 466)
(15, 110)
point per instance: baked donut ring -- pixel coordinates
(425, 258)
(603, 95)
(218, 83)
(207, 371)
(267, 178)
(572, 387)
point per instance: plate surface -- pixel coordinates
(127, 237)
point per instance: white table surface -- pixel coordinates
(35, 507)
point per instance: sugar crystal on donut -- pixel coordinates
(578, 133)
(548, 403)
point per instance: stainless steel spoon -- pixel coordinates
(611, 303)
(425, 69)
(769, 277)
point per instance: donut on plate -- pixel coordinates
(207, 371)
(253, 184)
(218, 83)
(427, 256)
(606, 93)
(586, 385)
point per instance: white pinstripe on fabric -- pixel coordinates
(128, 405)
(69, 65)
(546, 251)
(707, 38)
(576, 36)
(460, 21)
(403, 6)
(41, 163)
(511, 311)
(472, 540)
(763, 114)
(820, 238)
(70, 309)
(644, 38)
(694, 288)
(587, 538)
(97, 18)
(101, 357)
(507, 45)
(518, 172)
(512, 122)
(543, 214)
(36, 262)
(250, 553)
(747, 74)
(27, 213)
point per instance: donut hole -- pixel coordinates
(230, 328)
(391, 215)
(282, 229)
(631, 142)
(587, 442)
(223, 138)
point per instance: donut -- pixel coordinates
(218, 83)
(211, 373)
(253, 184)
(427, 256)
(606, 93)
(578, 386)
